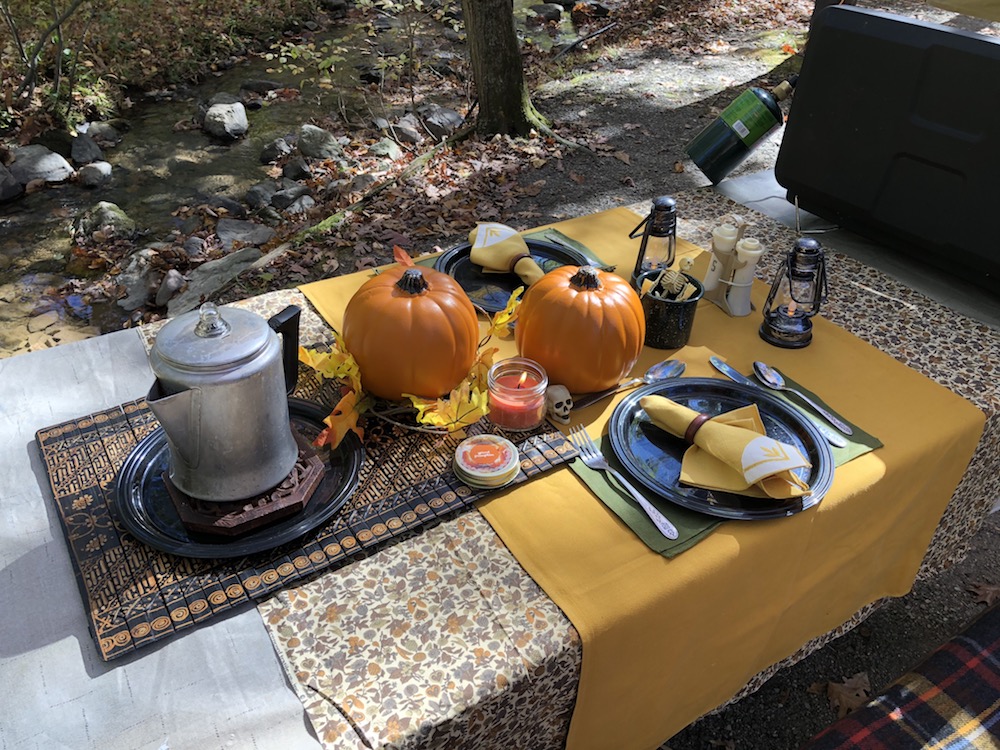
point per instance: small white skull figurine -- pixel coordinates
(560, 402)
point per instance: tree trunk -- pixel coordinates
(504, 101)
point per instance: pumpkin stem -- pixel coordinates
(412, 281)
(586, 278)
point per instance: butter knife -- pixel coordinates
(735, 375)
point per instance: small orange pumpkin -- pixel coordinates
(584, 326)
(411, 330)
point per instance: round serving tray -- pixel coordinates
(144, 507)
(491, 291)
(653, 456)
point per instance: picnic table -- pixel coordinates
(534, 612)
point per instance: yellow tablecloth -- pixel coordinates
(665, 640)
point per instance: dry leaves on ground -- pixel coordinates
(986, 593)
(845, 696)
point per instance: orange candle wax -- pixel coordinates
(517, 394)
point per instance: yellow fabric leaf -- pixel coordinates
(502, 319)
(464, 406)
(480, 369)
(343, 419)
(336, 364)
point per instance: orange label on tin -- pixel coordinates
(487, 456)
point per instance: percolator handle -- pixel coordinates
(286, 323)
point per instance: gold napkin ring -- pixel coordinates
(517, 259)
(695, 425)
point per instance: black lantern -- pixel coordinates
(659, 238)
(798, 290)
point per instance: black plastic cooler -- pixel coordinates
(894, 133)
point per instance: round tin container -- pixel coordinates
(486, 461)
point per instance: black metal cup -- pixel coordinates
(669, 322)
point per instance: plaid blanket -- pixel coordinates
(950, 702)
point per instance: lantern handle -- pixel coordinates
(635, 232)
(778, 274)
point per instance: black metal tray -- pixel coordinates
(491, 291)
(144, 507)
(653, 456)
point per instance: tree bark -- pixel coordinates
(504, 100)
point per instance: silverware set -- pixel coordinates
(759, 367)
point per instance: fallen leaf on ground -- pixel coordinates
(623, 157)
(986, 593)
(578, 178)
(678, 167)
(850, 694)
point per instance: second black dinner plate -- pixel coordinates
(491, 291)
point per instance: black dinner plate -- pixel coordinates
(653, 456)
(491, 291)
(143, 505)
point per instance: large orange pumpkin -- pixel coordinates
(585, 327)
(411, 330)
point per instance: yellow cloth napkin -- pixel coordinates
(731, 451)
(498, 248)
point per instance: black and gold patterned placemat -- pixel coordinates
(135, 595)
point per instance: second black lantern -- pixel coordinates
(798, 290)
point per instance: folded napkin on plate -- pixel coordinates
(730, 452)
(498, 248)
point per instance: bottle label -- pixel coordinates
(749, 118)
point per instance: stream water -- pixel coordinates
(160, 165)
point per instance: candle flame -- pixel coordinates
(524, 376)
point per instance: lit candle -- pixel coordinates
(517, 394)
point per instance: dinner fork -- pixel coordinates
(593, 458)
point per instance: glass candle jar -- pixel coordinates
(517, 393)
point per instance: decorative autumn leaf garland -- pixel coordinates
(464, 406)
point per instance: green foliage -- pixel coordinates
(316, 63)
(74, 58)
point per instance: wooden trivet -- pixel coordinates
(240, 516)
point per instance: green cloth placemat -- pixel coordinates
(692, 526)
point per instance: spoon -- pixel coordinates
(732, 373)
(773, 380)
(668, 368)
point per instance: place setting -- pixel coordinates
(693, 478)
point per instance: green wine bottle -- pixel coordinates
(729, 139)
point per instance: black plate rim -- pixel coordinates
(131, 513)
(447, 260)
(821, 478)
